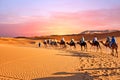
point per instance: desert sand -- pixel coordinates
(21, 59)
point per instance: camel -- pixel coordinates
(45, 43)
(54, 43)
(84, 44)
(48, 41)
(113, 47)
(96, 44)
(105, 44)
(62, 44)
(72, 44)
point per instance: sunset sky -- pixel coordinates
(51, 17)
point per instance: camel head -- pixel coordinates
(89, 41)
(67, 43)
(58, 42)
(78, 42)
(101, 41)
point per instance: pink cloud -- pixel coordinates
(92, 17)
(61, 22)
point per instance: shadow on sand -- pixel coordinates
(68, 76)
(77, 54)
(86, 75)
(114, 71)
(81, 75)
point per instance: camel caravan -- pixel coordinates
(109, 43)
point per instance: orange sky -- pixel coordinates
(70, 19)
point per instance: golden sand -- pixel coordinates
(20, 60)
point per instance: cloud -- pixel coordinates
(92, 17)
(59, 22)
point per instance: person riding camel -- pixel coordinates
(48, 41)
(107, 40)
(55, 40)
(95, 40)
(72, 41)
(45, 41)
(82, 40)
(113, 41)
(62, 40)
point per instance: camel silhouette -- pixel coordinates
(84, 44)
(62, 44)
(54, 43)
(71, 44)
(45, 43)
(112, 47)
(96, 44)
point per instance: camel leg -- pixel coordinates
(62, 46)
(97, 49)
(81, 48)
(65, 46)
(90, 48)
(45, 46)
(74, 46)
(116, 52)
(112, 52)
(100, 48)
(85, 47)
(108, 50)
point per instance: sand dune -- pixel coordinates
(21, 59)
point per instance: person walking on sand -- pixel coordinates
(39, 44)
